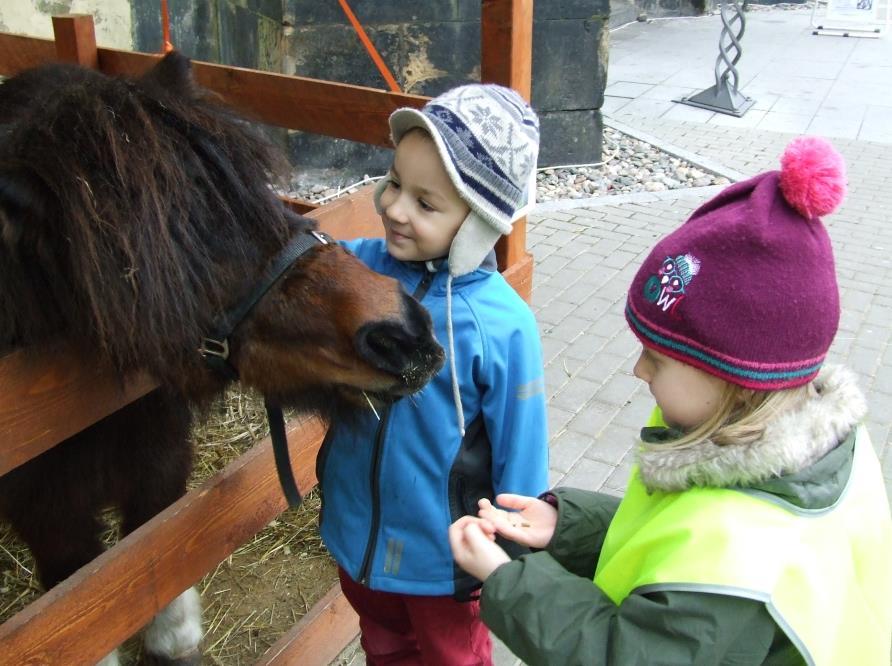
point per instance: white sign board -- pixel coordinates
(851, 18)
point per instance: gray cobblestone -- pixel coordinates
(555, 311)
(612, 445)
(618, 390)
(592, 418)
(585, 346)
(566, 449)
(602, 366)
(557, 420)
(624, 344)
(575, 393)
(587, 474)
(570, 328)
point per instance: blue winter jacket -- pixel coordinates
(391, 488)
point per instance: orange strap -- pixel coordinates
(369, 47)
(165, 27)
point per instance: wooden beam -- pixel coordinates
(299, 206)
(83, 618)
(76, 40)
(49, 395)
(18, 53)
(319, 636)
(334, 109)
(506, 44)
(520, 276)
(345, 111)
(351, 216)
(506, 34)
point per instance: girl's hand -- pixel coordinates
(531, 523)
(472, 545)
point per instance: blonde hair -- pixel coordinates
(741, 417)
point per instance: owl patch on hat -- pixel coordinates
(667, 288)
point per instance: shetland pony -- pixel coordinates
(135, 216)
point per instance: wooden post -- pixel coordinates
(506, 33)
(76, 40)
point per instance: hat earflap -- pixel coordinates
(474, 240)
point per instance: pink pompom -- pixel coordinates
(813, 176)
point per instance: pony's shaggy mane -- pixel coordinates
(128, 213)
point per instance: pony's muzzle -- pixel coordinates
(405, 349)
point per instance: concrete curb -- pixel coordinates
(632, 197)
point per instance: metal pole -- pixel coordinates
(725, 95)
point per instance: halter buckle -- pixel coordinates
(212, 347)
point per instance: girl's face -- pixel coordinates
(686, 395)
(421, 207)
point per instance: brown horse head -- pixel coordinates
(333, 326)
(135, 214)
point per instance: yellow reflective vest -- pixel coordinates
(825, 576)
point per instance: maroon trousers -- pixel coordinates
(409, 630)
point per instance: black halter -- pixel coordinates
(215, 349)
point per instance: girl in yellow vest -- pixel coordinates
(755, 528)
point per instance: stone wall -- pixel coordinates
(624, 11)
(434, 46)
(112, 18)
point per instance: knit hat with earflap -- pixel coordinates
(746, 288)
(488, 139)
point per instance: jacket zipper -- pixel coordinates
(377, 454)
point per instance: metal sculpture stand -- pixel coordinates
(725, 95)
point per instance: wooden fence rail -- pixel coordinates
(48, 394)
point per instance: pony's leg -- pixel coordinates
(61, 543)
(111, 659)
(52, 502)
(161, 452)
(175, 633)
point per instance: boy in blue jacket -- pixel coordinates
(463, 171)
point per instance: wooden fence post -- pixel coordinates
(506, 34)
(76, 40)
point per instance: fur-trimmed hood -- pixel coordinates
(791, 443)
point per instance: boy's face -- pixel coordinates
(421, 207)
(686, 395)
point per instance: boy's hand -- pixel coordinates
(531, 524)
(472, 545)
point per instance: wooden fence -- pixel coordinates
(48, 394)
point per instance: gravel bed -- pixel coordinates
(628, 165)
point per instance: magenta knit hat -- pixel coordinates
(746, 288)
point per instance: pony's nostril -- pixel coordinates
(384, 346)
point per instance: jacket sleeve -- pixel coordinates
(513, 406)
(583, 519)
(546, 615)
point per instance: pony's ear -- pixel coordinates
(172, 74)
(22, 197)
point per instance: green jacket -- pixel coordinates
(546, 609)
